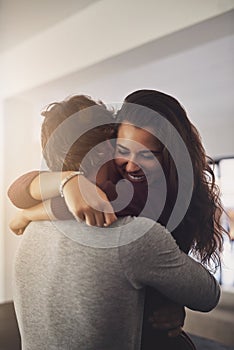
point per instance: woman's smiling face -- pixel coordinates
(138, 154)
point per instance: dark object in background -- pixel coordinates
(9, 332)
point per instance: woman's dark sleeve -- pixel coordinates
(19, 193)
(136, 204)
(59, 209)
(20, 196)
(61, 212)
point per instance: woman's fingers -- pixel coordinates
(90, 219)
(169, 317)
(100, 219)
(109, 218)
(109, 214)
(79, 217)
(15, 231)
(175, 332)
(90, 205)
(18, 224)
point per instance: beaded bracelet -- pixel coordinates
(66, 179)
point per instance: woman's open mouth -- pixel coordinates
(135, 177)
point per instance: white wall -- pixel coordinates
(2, 216)
(21, 154)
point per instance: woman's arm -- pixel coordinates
(32, 187)
(39, 212)
(35, 186)
(47, 184)
(19, 193)
(87, 202)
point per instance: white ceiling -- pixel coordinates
(194, 64)
(20, 20)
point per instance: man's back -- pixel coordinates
(74, 296)
(79, 287)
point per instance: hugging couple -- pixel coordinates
(103, 261)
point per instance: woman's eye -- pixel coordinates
(122, 151)
(147, 156)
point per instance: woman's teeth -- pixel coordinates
(135, 177)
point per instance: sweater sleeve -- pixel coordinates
(18, 192)
(155, 260)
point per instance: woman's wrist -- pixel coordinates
(47, 184)
(27, 214)
(41, 211)
(66, 179)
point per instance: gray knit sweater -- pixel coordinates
(77, 287)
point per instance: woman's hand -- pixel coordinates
(169, 317)
(39, 212)
(87, 202)
(19, 223)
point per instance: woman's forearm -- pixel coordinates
(40, 212)
(29, 189)
(95, 209)
(47, 185)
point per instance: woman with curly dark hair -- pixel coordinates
(199, 231)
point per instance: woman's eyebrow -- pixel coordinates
(142, 151)
(151, 151)
(121, 146)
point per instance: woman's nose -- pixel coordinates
(131, 167)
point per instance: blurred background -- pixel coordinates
(51, 49)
